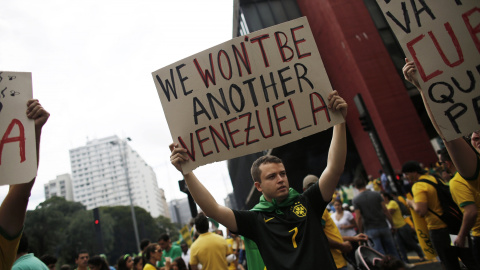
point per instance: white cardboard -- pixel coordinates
(18, 160)
(243, 102)
(443, 38)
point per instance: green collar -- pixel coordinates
(266, 206)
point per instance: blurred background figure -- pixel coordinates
(125, 262)
(49, 260)
(97, 263)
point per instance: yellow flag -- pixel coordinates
(186, 235)
(422, 233)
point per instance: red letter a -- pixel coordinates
(20, 139)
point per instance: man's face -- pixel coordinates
(82, 260)
(446, 165)
(165, 245)
(274, 181)
(184, 247)
(475, 140)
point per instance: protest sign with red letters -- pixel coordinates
(18, 159)
(252, 93)
(443, 38)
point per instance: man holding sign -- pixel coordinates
(286, 226)
(14, 206)
(467, 159)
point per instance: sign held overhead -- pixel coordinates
(252, 93)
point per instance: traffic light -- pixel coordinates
(98, 230)
(366, 123)
(96, 219)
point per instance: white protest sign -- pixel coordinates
(18, 159)
(252, 93)
(443, 38)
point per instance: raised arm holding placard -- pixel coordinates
(14, 206)
(283, 216)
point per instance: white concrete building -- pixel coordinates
(100, 176)
(180, 211)
(165, 204)
(60, 187)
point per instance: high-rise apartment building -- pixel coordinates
(60, 187)
(106, 172)
(180, 211)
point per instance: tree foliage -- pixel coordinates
(62, 228)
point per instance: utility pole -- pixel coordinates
(123, 151)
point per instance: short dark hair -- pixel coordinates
(255, 170)
(444, 155)
(144, 243)
(359, 183)
(98, 262)
(165, 237)
(339, 201)
(412, 166)
(48, 259)
(65, 267)
(81, 251)
(201, 223)
(23, 245)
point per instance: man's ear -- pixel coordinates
(257, 186)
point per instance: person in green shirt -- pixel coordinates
(169, 250)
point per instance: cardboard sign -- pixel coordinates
(18, 158)
(443, 38)
(252, 93)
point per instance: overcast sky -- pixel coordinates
(91, 63)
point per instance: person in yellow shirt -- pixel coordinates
(403, 234)
(151, 254)
(425, 199)
(468, 200)
(339, 245)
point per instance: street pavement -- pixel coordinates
(426, 265)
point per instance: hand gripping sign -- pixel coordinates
(443, 38)
(252, 93)
(18, 160)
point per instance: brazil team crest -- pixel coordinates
(299, 210)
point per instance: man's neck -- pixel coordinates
(361, 189)
(82, 267)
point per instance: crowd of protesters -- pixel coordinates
(216, 252)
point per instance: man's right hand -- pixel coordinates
(178, 156)
(408, 71)
(36, 112)
(361, 237)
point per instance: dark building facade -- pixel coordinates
(361, 56)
